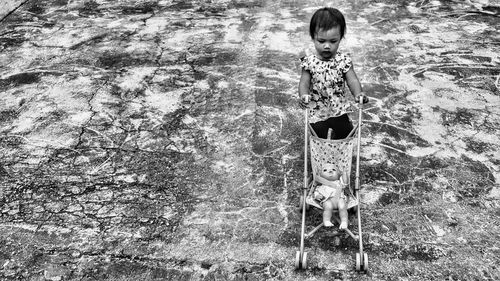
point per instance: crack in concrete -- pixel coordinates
(93, 114)
(13, 10)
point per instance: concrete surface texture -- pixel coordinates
(161, 140)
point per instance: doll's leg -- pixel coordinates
(327, 213)
(344, 219)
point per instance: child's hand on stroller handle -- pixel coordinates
(361, 98)
(304, 101)
(305, 98)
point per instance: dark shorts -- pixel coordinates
(341, 127)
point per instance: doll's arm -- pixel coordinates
(317, 195)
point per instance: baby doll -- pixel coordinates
(330, 192)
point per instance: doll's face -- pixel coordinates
(329, 172)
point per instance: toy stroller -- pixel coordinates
(333, 152)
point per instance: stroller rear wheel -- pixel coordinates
(300, 261)
(304, 261)
(362, 263)
(297, 260)
(365, 262)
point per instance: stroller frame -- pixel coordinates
(308, 188)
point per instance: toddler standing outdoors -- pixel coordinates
(324, 75)
(321, 89)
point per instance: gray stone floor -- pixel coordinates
(161, 140)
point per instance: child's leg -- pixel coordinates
(327, 213)
(344, 219)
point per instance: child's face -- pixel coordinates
(327, 42)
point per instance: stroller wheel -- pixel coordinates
(365, 262)
(362, 263)
(300, 262)
(304, 261)
(358, 262)
(297, 260)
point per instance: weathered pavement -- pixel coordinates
(145, 140)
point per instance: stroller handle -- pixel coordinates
(357, 181)
(304, 195)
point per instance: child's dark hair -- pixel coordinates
(327, 18)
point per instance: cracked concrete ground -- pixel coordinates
(160, 140)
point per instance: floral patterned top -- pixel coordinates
(327, 86)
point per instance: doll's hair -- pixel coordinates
(327, 18)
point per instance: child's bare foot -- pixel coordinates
(343, 225)
(328, 223)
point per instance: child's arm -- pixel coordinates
(354, 85)
(304, 84)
